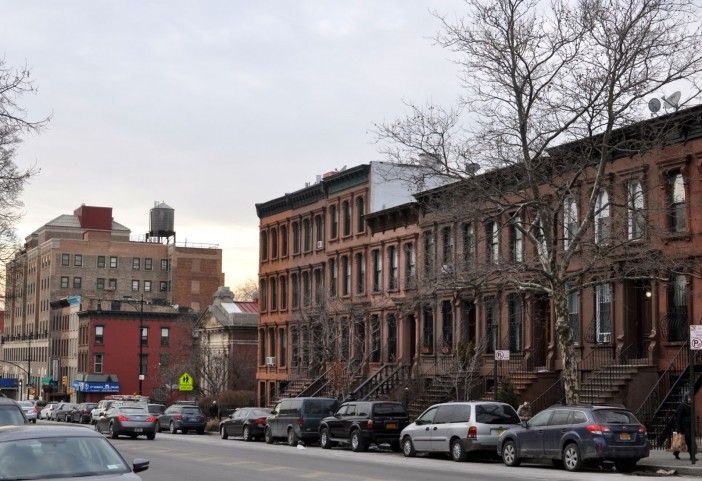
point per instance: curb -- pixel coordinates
(685, 470)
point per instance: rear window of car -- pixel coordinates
(11, 416)
(389, 409)
(495, 414)
(132, 410)
(190, 410)
(259, 413)
(614, 416)
(155, 408)
(320, 406)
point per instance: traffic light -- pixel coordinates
(64, 381)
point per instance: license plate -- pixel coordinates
(625, 437)
(138, 430)
(390, 425)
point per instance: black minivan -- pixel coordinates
(297, 419)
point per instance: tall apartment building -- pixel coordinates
(88, 254)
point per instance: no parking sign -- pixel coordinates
(696, 337)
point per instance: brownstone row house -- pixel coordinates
(381, 294)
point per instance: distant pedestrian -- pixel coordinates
(682, 424)
(406, 397)
(214, 410)
(524, 411)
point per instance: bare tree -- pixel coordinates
(246, 291)
(553, 94)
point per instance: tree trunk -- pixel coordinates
(566, 349)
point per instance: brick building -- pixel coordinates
(88, 254)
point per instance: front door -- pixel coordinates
(412, 330)
(556, 429)
(424, 430)
(637, 312)
(541, 331)
(531, 440)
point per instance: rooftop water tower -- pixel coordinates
(161, 222)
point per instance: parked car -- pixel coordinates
(182, 417)
(298, 419)
(132, 421)
(45, 413)
(576, 435)
(62, 412)
(459, 428)
(360, 423)
(101, 408)
(82, 412)
(249, 423)
(30, 410)
(11, 414)
(54, 452)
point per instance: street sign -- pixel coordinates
(502, 355)
(185, 382)
(696, 337)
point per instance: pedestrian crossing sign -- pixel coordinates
(185, 382)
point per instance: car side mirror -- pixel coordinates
(140, 465)
(419, 422)
(337, 415)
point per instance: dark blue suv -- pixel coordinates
(575, 435)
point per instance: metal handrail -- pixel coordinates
(394, 376)
(314, 386)
(367, 385)
(645, 415)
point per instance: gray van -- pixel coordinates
(459, 428)
(298, 419)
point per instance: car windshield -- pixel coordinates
(495, 414)
(10, 416)
(191, 410)
(614, 416)
(389, 409)
(26, 404)
(66, 457)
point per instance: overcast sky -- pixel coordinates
(212, 106)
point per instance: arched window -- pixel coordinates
(603, 219)
(636, 219)
(264, 245)
(676, 198)
(274, 243)
(570, 221)
(346, 210)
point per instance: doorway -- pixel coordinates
(637, 315)
(541, 328)
(412, 331)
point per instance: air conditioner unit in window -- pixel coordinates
(604, 337)
(320, 244)
(270, 361)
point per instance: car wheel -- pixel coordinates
(223, 433)
(509, 454)
(408, 448)
(324, 441)
(358, 444)
(246, 434)
(292, 437)
(458, 454)
(571, 457)
(172, 428)
(151, 436)
(625, 465)
(268, 436)
(113, 433)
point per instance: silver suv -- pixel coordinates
(458, 428)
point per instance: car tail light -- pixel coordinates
(121, 418)
(179, 417)
(260, 422)
(369, 424)
(151, 419)
(642, 429)
(597, 428)
(300, 422)
(472, 432)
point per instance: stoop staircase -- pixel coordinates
(606, 384)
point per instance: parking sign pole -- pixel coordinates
(693, 424)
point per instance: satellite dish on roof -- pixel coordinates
(654, 105)
(672, 101)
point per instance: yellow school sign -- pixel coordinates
(185, 382)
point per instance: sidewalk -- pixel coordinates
(659, 459)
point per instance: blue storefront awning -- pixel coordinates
(8, 383)
(92, 386)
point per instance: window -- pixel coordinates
(429, 253)
(164, 264)
(346, 276)
(295, 279)
(346, 211)
(101, 262)
(393, 282)
(283, 240)
(678, 310)
(410, 266)
(377, 270)
(492, 236)
(64, 282)
(97, 364)
(573, 304)
(264, 246)
(360, 273)
(148, 263)
(77, 282)
(491, 319)
(263, 294)
(283, 292)
(514, 315)
(162, 286)
(65, 260)
(603, 221)
(447, 246)
(468, 245)
(540, 419)
(319, 230)
(164, 359)
(274, 243)
(274, 294)
(392, 338)
(636, 218)
(296, 237)
(427, 330)
(165, 336)
(446, 326)
(306, 235)
(306, 289)
(603, 313)
(516, 240)
(375, 338)
(147, 286)
(135, 285)
(136, 263)
(99, 335)
(113, 262)
(144, 336)
(360, 215)
(112, 284)
(144, 364)
(333, 222)
(570, 221)
(677, 214)
(333, 276)
(318, 286)
(78, 260)
(100, 284)
(283, 347)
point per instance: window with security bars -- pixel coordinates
(446, 325)
(515, 320)
(427, 330)
(678, 308)
(603, 313)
